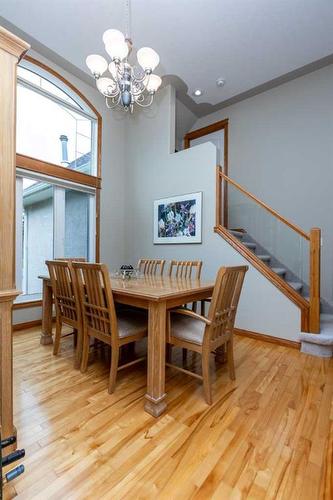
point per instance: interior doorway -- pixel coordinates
(217, 133)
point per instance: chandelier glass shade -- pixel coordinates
(125, 85)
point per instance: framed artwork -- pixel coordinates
(178, 219)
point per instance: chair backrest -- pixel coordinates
(64, 290)
(97, 305)
(184, 268)
(225, 298)
(151, 266)
(72, 259)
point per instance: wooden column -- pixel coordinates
(315, 244)
(11, 49)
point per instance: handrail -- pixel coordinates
(266, 207)
(310, 313)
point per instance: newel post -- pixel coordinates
(315, 247)
(11, 50)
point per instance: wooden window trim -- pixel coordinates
(46, 168)
(209, 129)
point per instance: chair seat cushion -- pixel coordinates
(132, 322)
(186, 328)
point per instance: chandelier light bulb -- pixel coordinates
(148, 58)
(117, 51)
(113, 36)
(154, 83)
(97, 65)
(106, 86)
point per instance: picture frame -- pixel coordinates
(177, 219)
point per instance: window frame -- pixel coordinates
(56, 173)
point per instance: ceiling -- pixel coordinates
(247, 42)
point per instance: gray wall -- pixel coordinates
(152, 173)
(281, 149)
(184, 121)
(76, 224)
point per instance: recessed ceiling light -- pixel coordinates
(220, 82)
(197, 92)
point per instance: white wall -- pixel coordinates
(281, 149)
(112, 193)
(184, 122)
(152, 173)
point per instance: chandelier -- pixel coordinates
(125, 85)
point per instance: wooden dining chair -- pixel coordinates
(184, 268)
(151, 266)
(99, 318)
(72, 259)
(67, 304)
(204, 335)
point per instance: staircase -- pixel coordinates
(270, 261)
(251, 227)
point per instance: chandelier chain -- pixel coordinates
(128, 19)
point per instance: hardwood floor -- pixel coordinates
(268, 435)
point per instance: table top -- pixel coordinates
(157, 287)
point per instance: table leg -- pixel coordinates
(46, 336)
(155, 398)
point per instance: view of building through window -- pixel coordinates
(54, 217)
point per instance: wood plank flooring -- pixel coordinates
(268, 435)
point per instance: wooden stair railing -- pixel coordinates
(310, 309)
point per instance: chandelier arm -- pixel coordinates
(139, 92)
(139, 80)
(147, 104)
(113, 94)
(114, 104)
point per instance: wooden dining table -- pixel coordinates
(157, 295)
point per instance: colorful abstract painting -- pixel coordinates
(178, 219)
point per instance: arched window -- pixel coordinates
(57, 175)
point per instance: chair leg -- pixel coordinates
(230, 358)
(206, 376)
(75, 337)
(78, 349)
(184, 355)
(113, 369)
(57, 337)
(85, 351)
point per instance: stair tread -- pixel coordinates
(248, 244)
(238, 234)
(279, 270)
(264, 257)
(295, 285)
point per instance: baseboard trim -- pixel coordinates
(267, 338)
(27, 305)
(26, 325)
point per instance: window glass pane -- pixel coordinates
(37, 233)
(30, 76)
(77, 224)
(48, 131)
